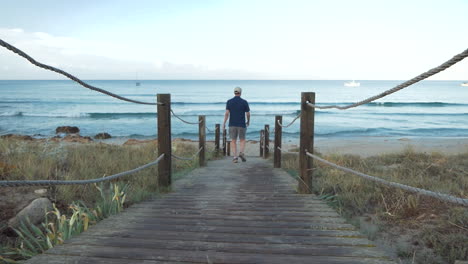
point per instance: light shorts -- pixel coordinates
(235, 132)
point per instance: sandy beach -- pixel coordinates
(369, 146)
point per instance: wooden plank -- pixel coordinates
(217, 131)
(266, 142)
(136, 253)
(320, 225)
(223, 214)
(224, 142)
(201, 140)
(306, 142)
(232, 247)
(278, 138)
(164, 140)
(238, 235)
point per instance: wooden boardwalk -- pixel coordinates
(223, 213)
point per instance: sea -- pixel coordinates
(425, 109)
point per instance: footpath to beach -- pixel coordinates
(223, 213)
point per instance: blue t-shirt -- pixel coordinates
(237, 108)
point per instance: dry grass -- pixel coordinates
(23, 160)
(436, 225)
(33, 160)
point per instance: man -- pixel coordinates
(236, 110)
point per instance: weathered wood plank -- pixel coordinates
(240, 232)
(204, 256)
(223, 213)
(231, 247)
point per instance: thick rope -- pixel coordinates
(74, 182)
(68, 75)
(292, 122)
(441, 196)
(457, 58)
(209, 130)
(191, 158)
(288, 152)
(187, 122)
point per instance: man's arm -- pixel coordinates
(248, 119)
(226, 116)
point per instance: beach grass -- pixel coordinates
(39, 160)
(428, 224)
(25, 160)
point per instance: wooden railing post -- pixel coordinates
(201, 139)
(306, 142)
(278, 132)
(217, 128)
(228, 143)
(224, 142)
(266, 142)
(262, 137)
(164, 140)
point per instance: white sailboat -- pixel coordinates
(137, 83)
(352, 84)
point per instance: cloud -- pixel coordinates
(94, 60)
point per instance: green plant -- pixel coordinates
(58, 227)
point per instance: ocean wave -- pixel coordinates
(14, 113)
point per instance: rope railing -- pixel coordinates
(209, 130)
(191, 158)
(288, 152)
(68, 75)
(292, 122)
(441, 196)
(187, 122)
(75, 182)
(457, 58)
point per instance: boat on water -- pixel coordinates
(352, 84)
(464, 84)
(137, 82)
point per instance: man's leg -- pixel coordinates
(242, 132)
(242, 145)
(234, 148)
(233, 133)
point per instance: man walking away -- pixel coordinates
(236, 110)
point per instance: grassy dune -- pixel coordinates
(78, 206)
(419, 228)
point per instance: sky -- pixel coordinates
(235, 40)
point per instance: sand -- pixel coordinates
(362, 146)
(370, 146)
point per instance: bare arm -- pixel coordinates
(248, 119)
(226, 116)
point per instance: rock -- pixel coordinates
(41, 192)
(16, 137)
(102, 136)
(77, 139)
(14, 199)
(35, 211)
(67, 130)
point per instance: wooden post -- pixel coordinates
(228, 147)
(201, 139)
(164, 140)
(306, 142)
(262, 134)
(217, 129)
(266, 142)
(224, 142)
(278, 132)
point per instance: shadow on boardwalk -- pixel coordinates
(223, 213)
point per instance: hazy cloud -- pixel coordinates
(94, 60)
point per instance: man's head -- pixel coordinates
(237, 91)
